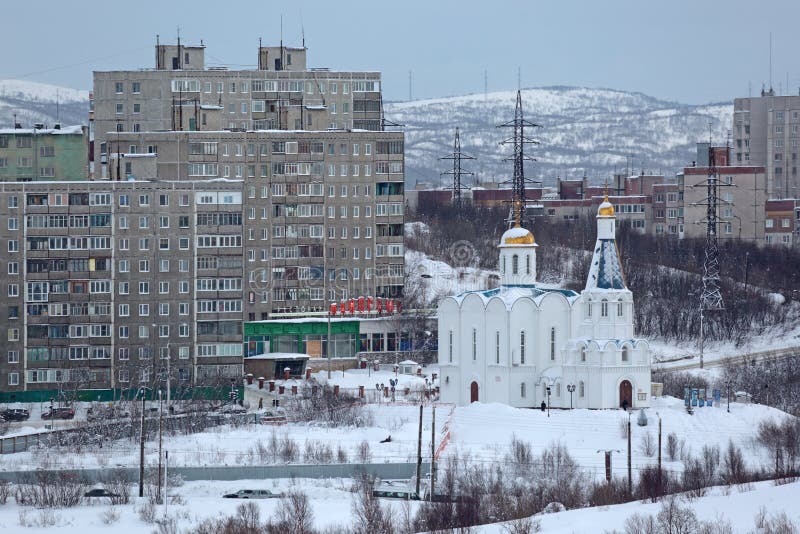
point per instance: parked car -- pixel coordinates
(100, 492)
(15, 414)
(67, 412)
(232, 408)
(252, 494)
(100, 413)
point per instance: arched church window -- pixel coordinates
(504, 265)
(583, 354)
(604, 308)
(522, 347)
(558, 389)
(589, 309)
(497, 347)
(581, 389)
(514, 264)
(474, 344)
(619, 308)
(553, 344)
(450, 348)
(522, 390)
(624, 354)
(527, 264)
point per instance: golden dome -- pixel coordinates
(517, 236)
(606, 209)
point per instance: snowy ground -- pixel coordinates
(481, 431)
(739, 506)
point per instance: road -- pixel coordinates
(694, 363)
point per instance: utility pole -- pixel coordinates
(608, 453)
(160, 442)
(457, 173)
(141, 451)
(433, 449)
(166, 464)
(518, 181)
(659, 446)
(419, 450)
(630, 476)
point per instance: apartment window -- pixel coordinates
(118, 87)
(124, 310)
(13, 379)
(13, 267)
(144, 310)
(123, 288)
(144, 288)
(163, 287)
(144, 266)
(119, 109)
(13, 245)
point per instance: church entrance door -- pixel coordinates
(473, 392)
(625, 394)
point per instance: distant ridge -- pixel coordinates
(586, 131)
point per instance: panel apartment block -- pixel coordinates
(107, 281)
(29, 155)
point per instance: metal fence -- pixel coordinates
(387, 471)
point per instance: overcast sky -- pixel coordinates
(691, 51)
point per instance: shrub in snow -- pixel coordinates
(674, 518)
(523, 525)
(554, 507)
(672, 446)
(109, 516)
(642, 419)
(647, 444)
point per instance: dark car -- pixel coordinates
(15, 414)
(59, 413)
(100, 492)
(252, 494)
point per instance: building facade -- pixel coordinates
(527, 344)
(44, 154)
(766, 130)
(106, 282)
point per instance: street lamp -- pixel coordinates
(571, 389)
(548, 401)
(729, 396)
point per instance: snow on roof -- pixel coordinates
(64, 130)
(511, 294)
(210, 106)
(279, 356)
(407, 362)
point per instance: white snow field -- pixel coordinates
(482, 432)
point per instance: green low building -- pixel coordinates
(39, 154)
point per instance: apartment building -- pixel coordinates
(766, 130)
(106, 282)
(322, 182)
(182, 94)
(44, 154)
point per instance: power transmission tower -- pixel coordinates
(457, 172)
(519, 140)
(711, 296)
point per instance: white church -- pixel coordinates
(524, 343)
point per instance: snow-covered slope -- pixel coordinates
(592, 131)
(32, 102)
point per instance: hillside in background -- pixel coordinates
(585, 131)
(41, 103)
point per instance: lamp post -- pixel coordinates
(571, 389)
(548, 401)
(141, 449)
(728, 385)
(328, 345)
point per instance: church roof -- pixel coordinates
(510, 294)
(517, 236)
(605, 271)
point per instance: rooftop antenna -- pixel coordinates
(180, 56)
(519, 140)
(457, 172)
(282, 59)
(770, 62)
(302, 29)
(519, 78)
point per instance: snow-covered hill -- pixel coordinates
(591, 131)
(33, 102)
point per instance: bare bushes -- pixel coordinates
(368, 515)
(777, 523)
(782, 441)
(118, 482)
(323, 406)
(49, 489)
